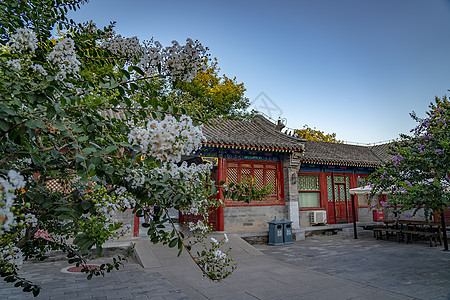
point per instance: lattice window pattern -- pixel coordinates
(308, 183)
(261, 174)
(347, 184)
(336, 192)
(232, 175)
(339, 179)
(61, 186)
(341, 192)
(246, 174)
(330, 188)
(271, 180)
(259, 178)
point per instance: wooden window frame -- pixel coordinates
(321, 191)
(278, 199)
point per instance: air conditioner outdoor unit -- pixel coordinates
(318, 217)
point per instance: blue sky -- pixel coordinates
(353, 67)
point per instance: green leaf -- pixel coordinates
(165, 178)
(109, 170)
(51, 112)
(62, 209)
(110, 149)
(35, 123)
(88, 150)
(10, 279)
(86, 205)
(173, 242)
(83, 138)
(137, 70)
(36, 291)
(133, 87)
(4, 126)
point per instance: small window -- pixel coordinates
(309, 199)
(308, 191)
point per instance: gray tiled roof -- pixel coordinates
(343, 154)
(259, 133)
(381, 151)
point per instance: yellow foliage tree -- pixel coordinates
(216, 96)
(312, 134)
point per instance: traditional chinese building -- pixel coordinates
(259, 150)
(310, 180)
(328, 171)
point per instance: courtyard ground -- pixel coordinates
(321, 267)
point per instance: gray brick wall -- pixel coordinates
(251, 218)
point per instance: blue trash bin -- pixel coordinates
(287, 231)
(275, 232)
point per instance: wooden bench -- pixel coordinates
(401, 234)
(378, 233)
(434, 237)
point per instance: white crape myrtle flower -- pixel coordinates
(226, 237)
(169, 139)
(190, 173)
(40, 69)
(198, 227)
(15, 64)
(219, 255)
(192, 178)
(129, 47)
(10, 254)
(16, 179)
(136, 178)
(8, 187)
(64, 57)
(24, 39)
(109, 205)
(182, 61)
(214, 241)
(31, 219)
(125, 199)
(195, 207)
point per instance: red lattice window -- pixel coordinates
(261, 173)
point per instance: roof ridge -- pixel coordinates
(255, 133)
(269, 127)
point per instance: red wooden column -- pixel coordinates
(136, 226)
(220, 176)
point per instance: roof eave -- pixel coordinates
(341, 163)
(251, 147)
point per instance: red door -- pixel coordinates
(340, 202)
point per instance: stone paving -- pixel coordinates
(321, 267)
(414, 270)
(131, 282)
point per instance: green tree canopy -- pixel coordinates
(418, 175)
(77, 113)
